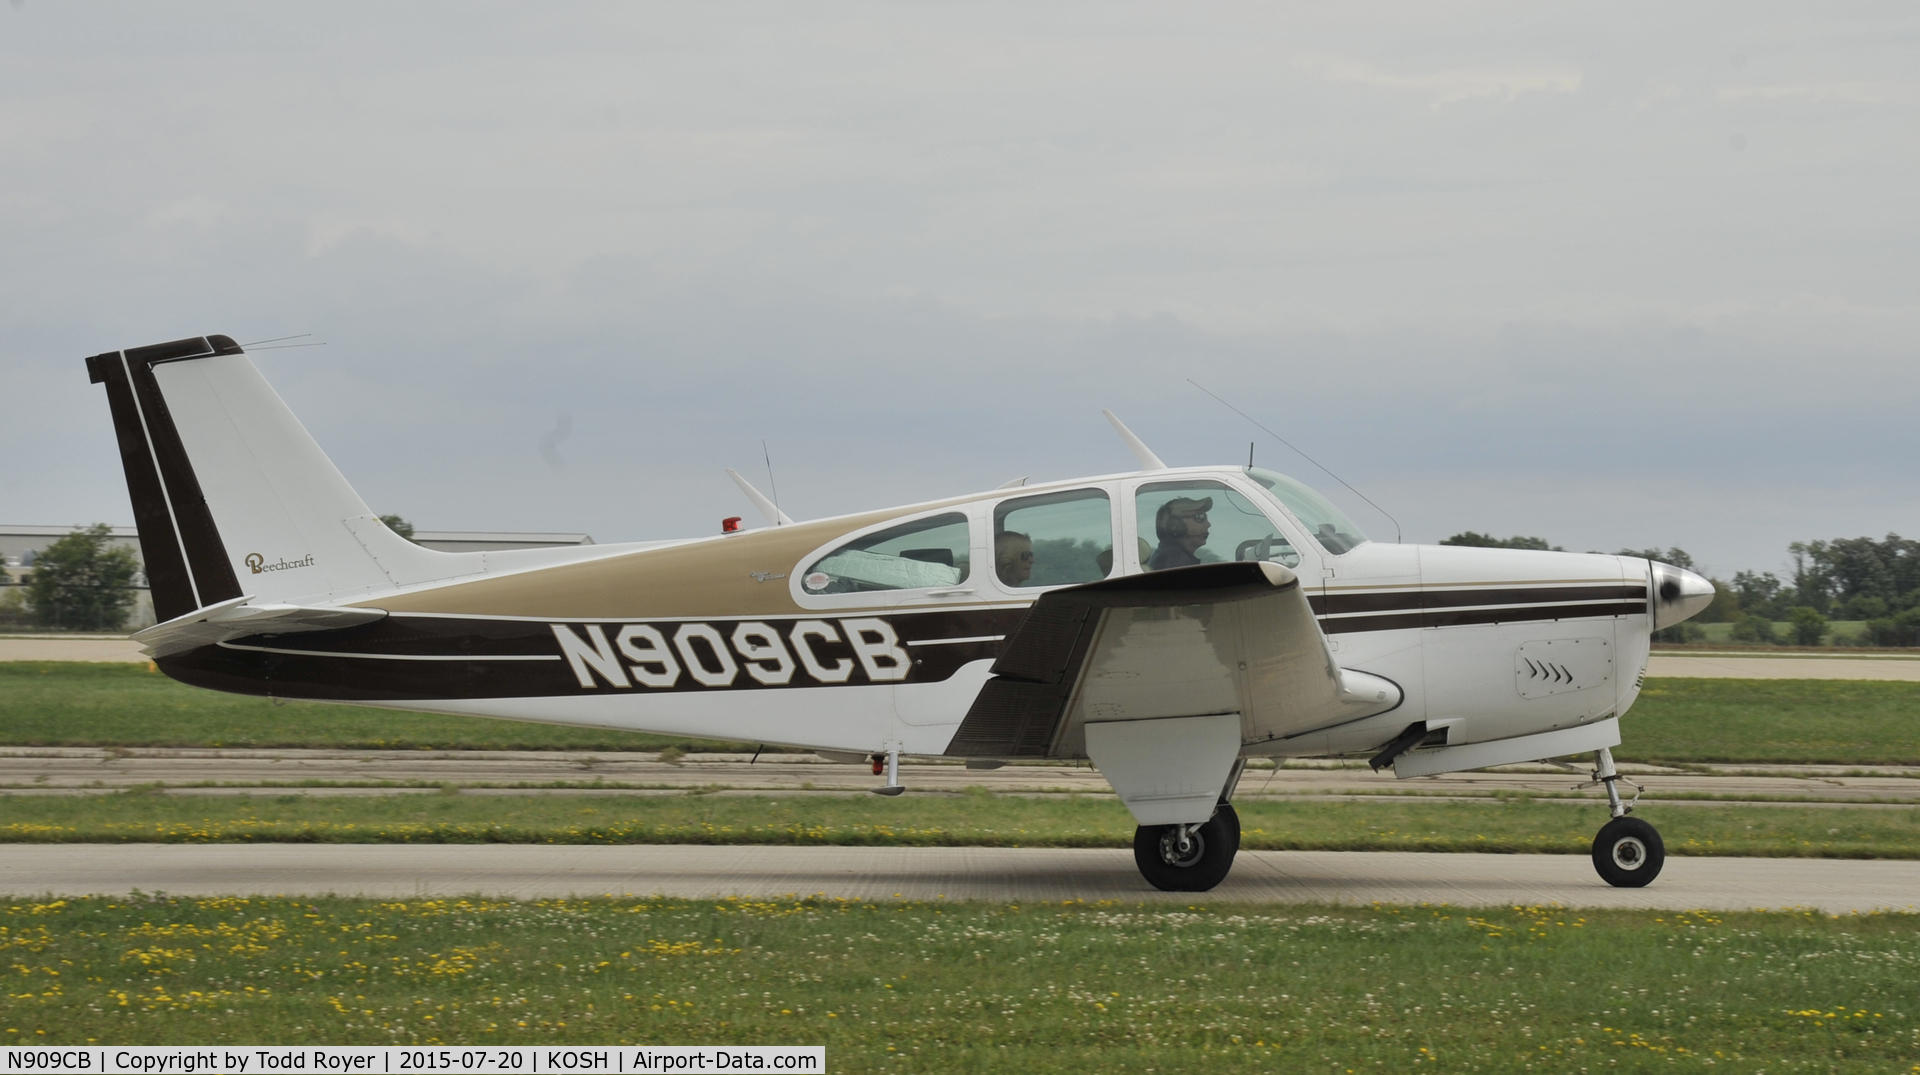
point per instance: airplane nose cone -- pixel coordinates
(1678, 594)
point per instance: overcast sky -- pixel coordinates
(1614, 275)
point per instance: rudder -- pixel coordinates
(232, 495)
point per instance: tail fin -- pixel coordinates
(232, 496)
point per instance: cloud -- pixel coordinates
(1450, 85)
(1839, 93)
(1501, 271)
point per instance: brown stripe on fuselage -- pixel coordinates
(1454, 597)
(404, 658)
(1465, 617)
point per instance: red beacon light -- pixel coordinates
(730, 524)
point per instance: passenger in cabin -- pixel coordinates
(1013, 557)
(1182, 526)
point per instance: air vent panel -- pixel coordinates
(1560, 666)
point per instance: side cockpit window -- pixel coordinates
(924, 553)
(1054, 539)
(1205, 522)
(1328, 524)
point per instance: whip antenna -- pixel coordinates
(255, 345)
(1303, 455)
(771, 484)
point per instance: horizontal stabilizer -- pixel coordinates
(238, 619)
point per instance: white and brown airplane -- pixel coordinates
(1168, 623)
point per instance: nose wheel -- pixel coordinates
(1188, 858)
(1628, 853)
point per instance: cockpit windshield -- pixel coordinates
(1332, 529)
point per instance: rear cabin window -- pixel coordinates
(1054, 539)
(1205, 522)
(921, 554)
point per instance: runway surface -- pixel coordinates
(70, 649)
(996, 874)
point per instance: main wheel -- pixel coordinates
(1196, 864)
(1628, 853)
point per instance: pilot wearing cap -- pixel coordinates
(1182, 527)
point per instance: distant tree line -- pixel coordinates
(1847, 578)
(80, 583)
(1875, 582)
(83, 583)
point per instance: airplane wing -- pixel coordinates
(238, 619)
(1193, 641)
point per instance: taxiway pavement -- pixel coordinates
(90, 770)
(937, 873)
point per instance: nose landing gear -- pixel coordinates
(1628, 852)
(1188, 858)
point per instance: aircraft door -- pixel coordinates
(1205, 521)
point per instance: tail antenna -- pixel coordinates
(771, 484)
(1303, 455)
(1148, 460)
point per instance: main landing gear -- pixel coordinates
(1192, 857)
(1628, 853)
(1188, 858)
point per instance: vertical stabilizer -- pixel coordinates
(233, 497)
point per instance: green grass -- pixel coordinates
(1786, 721)
(973, 820)
(1846, 722)
(1842, 634)
(932, 987)
(71, 703)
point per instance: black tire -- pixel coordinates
(1205, 862)
(1628, 853)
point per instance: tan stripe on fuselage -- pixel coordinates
(697, 580)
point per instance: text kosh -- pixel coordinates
(663, 656)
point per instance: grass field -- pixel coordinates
(59, 703)
(1838, 721)
(966, 987)
(1676, 720)
(1842, 633)
(974, 820)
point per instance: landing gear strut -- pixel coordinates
(1628, 853)
(888, 763)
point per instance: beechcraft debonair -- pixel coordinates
(1169, 623)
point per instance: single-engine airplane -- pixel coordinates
(1167, 623)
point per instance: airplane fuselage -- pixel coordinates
(1167, 623)
(721, 637)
